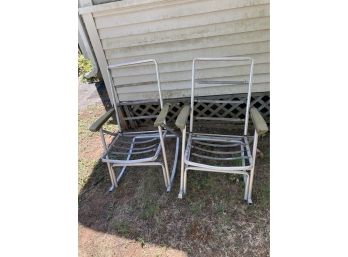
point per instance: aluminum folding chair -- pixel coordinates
(140, 148)
(216, 152)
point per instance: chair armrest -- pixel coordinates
(182, 117)
(101, 120)
(162, 116)
(259, 123)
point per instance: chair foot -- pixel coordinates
(250, 201)
(180, 195)
(111, 188)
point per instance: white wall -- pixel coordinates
(174, 32)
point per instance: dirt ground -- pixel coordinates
(140, 219)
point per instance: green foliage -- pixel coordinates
(85, 66)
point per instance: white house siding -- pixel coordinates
(174, 32)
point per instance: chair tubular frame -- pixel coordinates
(247, 170)
(161, 133)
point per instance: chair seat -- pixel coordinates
(218, 152)
(133, 147)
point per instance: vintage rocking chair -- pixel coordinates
(140, 148)
(215, 152)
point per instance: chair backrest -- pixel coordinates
(240, 73)
(115, 88)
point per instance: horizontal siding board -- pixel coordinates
(185, 22)
(134, 7)
(177, 85)
(234, 50)
(171, 11)
(182, 93)
(122, 6)
(201, 73)
(171, 67)
(189, 33)
(158, 4)
(189, 44)
(262, 87)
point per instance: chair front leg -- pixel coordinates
(166, 175)
(111, 171)
(112, 178)
(185, 180)
(175, 162)
(181, 123)
(252, 171)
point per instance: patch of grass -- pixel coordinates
(220, 208)
(234, 178)
(262, 195)
(149, 209)
(86, 118)
(196, 207)
(148, 202)
(121, 227)
(110, 126)
(84, 166)
(237, 162)
(199, 180)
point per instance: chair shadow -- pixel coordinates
(212, 219)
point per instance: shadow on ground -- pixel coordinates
(212, 220)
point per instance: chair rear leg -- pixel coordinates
(245, 177)
(246, 187)
(182, 165)
(164, 175)
(185, 181)
(181, 192)
(250, 187)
